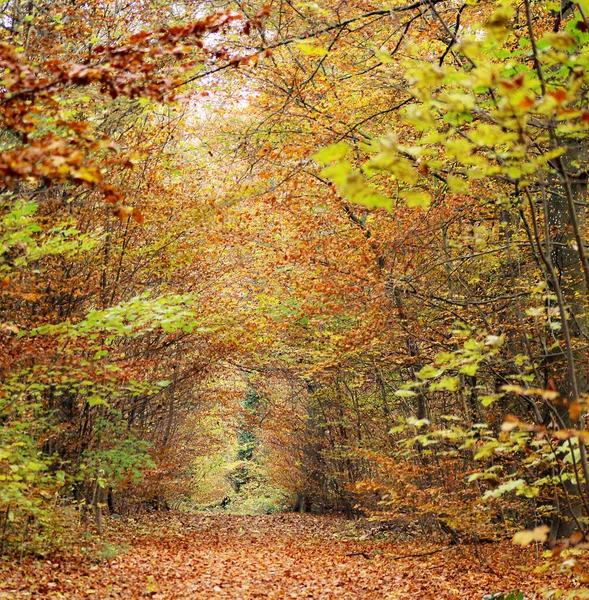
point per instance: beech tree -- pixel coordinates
(373, 217)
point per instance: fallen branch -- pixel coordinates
(364, 554)
(420, 553)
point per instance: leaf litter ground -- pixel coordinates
(242, 557)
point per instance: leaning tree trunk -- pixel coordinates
(565, 206)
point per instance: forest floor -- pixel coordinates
(242, 557)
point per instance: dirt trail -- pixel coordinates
(244, 557)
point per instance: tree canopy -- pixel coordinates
(306, 256)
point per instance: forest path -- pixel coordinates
(242, 557)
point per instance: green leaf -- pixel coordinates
(470, 370)
(488, 400)
(529, 491)
(96, 401)
(429, 372)
(486, 451)
(504, 488)
(417, 199)
(446, 383)
(444, 357)
(371, 199)
(419, 423)
(331, 153)
(338, 173)
(405, 393)
(397, 429)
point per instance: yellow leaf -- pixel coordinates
(311, 50)
(89, 174)
(561, 40)
(499, 23)
(538, 534)
(457, 184)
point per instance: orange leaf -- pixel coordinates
(559, 95)
(122, 212)
(559, 549)
(527, 102)
(575, 409)
(510, 423)
(576, 537)
(137, 215)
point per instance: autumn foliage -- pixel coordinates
(296, 256)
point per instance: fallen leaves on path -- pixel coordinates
(175, 556)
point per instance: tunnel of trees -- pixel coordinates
(313, 256)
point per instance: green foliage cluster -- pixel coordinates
(29, 482)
